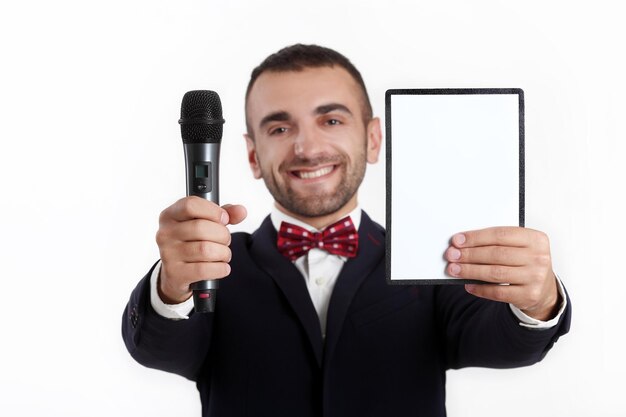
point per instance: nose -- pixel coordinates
(306, 143)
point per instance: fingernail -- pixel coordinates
(459, 238)
(470, 288)
(224, 218)
(454, 254)
(455, 269)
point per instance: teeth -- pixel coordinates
(314, 174)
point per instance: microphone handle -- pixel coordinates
(202, 166)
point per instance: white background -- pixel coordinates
(91, 153)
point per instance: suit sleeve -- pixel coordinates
(479, 332)
(177, 346)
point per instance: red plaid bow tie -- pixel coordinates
(339, 238)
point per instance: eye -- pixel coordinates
(333, 122)
(278, 131)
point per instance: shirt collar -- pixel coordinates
(278, 217)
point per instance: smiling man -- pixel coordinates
(305, 324)
(310, 135)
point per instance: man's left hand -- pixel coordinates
(515, 256)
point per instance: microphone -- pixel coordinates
(201, 126)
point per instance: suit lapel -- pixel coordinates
(354, 272)
(289, 280)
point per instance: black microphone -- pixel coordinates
(201, 128)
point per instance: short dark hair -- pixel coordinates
(299, 57)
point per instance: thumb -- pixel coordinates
(236, 213)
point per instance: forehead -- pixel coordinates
(297, 92)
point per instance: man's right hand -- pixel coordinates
(193, 242)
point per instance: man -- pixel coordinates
(307, 332)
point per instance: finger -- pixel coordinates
(201, 271)
(497, 236)
(193, 207)
(236, 213)
(200, 229)
(204, 251)
(497, 274)
(513, 294)
(490, 255)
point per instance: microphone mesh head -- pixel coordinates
(201, 117)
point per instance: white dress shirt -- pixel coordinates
(320, 270)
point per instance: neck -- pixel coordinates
(320, 222)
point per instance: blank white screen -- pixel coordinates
(455, 167)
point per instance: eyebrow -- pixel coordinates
(328, 108)
(279, 116)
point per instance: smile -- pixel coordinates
(306, 175)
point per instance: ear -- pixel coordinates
(252, 157)
(374, 140)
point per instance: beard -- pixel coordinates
(322, 203)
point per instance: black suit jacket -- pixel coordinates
(386, 349)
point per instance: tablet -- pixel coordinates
(455, 162)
